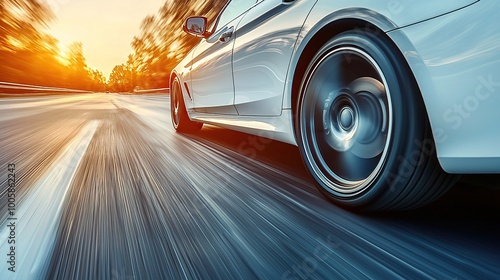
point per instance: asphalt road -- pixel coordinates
(105, 189)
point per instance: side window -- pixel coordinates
(234, 9)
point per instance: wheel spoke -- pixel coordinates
(346, 120)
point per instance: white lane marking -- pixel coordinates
(39, 213)
(18, 108)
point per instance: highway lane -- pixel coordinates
(107, 190)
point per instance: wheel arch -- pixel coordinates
(173, 75)
(320, 31)
(313, 41)
(310, 48)
(332, 25)
(186, 91)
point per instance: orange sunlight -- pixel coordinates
(63, 55)
(94, 45)
(105, 28)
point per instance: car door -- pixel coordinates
(263, 48)
(211, 74)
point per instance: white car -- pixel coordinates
(386, 100)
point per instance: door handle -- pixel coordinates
(227, 35)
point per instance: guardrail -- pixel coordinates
(34, 88)
(155, 90)
(38, 89)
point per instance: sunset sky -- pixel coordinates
(105, 27)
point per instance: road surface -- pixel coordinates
(105, 189)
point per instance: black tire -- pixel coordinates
(362, 127)
(180, 119)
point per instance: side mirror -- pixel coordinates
(196, 26)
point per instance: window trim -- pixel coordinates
(217, 19)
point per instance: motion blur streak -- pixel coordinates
(42, 207)
(146, 202)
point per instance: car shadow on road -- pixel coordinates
(472, 204)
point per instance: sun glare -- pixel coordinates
(63, 55)
(15, 42)
(85, 42)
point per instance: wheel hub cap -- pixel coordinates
(346, 118)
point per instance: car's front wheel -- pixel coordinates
(180, 118)
(362, 127)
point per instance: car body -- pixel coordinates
(254, 71)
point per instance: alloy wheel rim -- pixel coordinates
(346, 119)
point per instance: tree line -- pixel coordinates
(29, 55)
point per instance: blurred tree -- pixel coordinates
(97, 81)
(20, 22)
(161, 43)
(118, 79)
(29, 55)
(77, 67)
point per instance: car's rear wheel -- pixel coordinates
(180, 118)
(362, 127)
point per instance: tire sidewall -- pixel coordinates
(407, 109)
